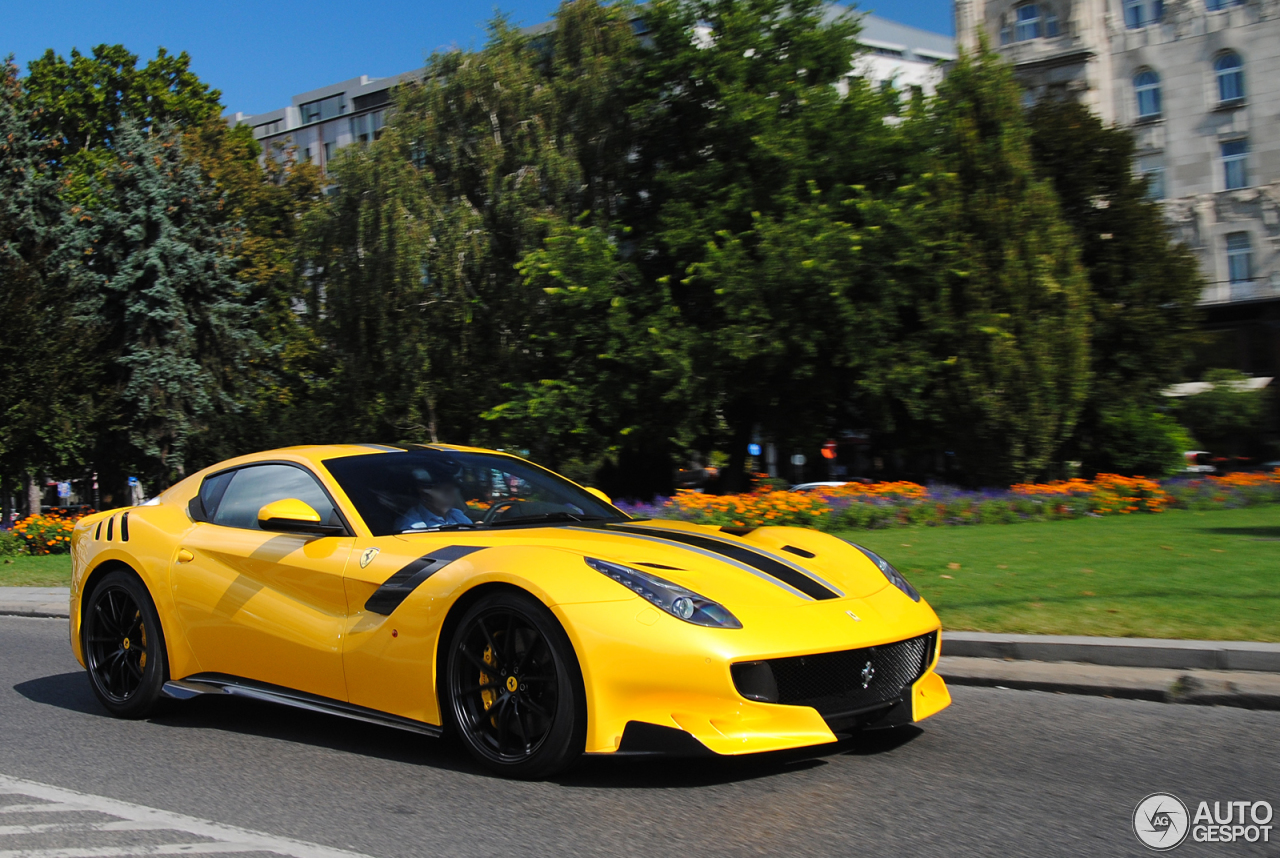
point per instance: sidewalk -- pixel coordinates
(35, 601)
(1224, 673)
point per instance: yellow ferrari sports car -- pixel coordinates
(440, 587)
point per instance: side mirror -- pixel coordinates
(291, 515)
(604, 497)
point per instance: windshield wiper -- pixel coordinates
(548, 516)
(453, 525)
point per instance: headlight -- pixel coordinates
(675, 600)
(894, 576)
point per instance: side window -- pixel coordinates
(252, 488)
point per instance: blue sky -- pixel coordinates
(260, 54)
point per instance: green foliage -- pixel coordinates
(156, 279)
(12, 544)
(1144, 286)
(995, 341)
(1133, 440)
(44, 414)
(1227, 417)
(749, 137)
(284, 393)
(83, 104)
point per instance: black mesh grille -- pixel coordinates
(835, 683)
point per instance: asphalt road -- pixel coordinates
(1006, 773)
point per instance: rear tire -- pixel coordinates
(123, 646)
(514, 689)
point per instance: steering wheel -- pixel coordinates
(491, 515)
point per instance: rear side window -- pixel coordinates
(248, 490)
(211, 491)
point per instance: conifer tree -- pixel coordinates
(1144, 288)
(156, 280)
(994, 357)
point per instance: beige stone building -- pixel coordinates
(1198, 82)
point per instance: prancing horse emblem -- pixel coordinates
(868, 673)
(367, 557)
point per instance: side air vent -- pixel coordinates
(124, 527)
(97, 534)
(799, 552)
(661, 566)
(111, 523)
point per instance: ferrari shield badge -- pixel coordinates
(367, 557)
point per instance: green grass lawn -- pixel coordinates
(1205, 575)
(52, 570)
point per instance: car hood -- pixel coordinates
(766, 567)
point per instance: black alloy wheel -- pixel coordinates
(515, 692)
(123, 646)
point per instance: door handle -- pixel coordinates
(185, 556)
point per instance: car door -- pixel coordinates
(262, 605)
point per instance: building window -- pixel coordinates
(1140, 13)
(1146, 86)
(1239, 257)
(1151, 168)
(1028, 22)
(1006, 35)
(1230, 72)
(1234, 173)
(1051, 28)
(325, 108)
(268, 128)
(306, 155)
(1219, 5)
(329, 150)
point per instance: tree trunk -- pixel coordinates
(4, 503)
(34, 495)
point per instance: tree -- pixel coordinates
(994, 342)
(750, 134)
(156, 280)
(82, 104)
(44, 412)
(372, 298)
(1144, 287)
(415, 257)
(610, 372)
(266, 200)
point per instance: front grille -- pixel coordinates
(832, 682)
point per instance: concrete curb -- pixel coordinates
(1241, 689)
(35, 601)
(1116, 652)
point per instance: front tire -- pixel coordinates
(514, 688)
(123, 646)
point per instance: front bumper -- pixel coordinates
(642, 667)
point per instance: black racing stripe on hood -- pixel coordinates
(742, 554)
(397, 588)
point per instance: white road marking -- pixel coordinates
(226, 839)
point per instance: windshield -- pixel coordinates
(427, 490)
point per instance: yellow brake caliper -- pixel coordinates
(142, 659)
(486, 695)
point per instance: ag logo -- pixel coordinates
(367, 557)
(1160, 820)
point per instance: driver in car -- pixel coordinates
(439, 499)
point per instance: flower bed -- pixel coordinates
(878, 505)
(47, 533)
